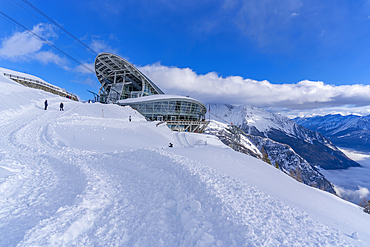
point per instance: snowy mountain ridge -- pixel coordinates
(336, 123)
(311, 145)
(79, 177)
(350, 131)
(276, 154)
(248, 117)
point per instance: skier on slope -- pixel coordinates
(46, 104)
(61, 106)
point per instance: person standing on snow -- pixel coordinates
(46, 104)
(129, 118)
(61, 106)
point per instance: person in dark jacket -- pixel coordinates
(61, 106)
(46, 104)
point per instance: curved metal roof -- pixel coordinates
(110, 68)
(155, 98)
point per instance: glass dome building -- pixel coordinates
(123, 84)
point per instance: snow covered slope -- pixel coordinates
(345, 131)
(89, 177)
(274, 153)
(311, 145)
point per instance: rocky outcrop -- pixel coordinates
(310, 145)
(277, 154)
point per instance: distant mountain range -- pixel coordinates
(277, 154)
(344, 131)
(312, 146)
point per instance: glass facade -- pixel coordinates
(171, 110)
(124, 84)
(121, 80)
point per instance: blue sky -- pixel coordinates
(302, 56)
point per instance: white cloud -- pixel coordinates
(22, 46)
(46, 57)
(100, 46)
(19, 45)
(353, 183)
(352, 195)
(295, 14)
(301, 96)
(88, 81)
(84, 68)
(322, 111)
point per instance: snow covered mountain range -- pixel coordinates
(86, 176)
(310, 145)
(350, 131)
(277, 154)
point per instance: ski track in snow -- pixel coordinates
(180, 137)
(64, 196)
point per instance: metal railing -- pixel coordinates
(42, 84)
(187, 126)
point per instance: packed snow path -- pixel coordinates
(61, 195)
